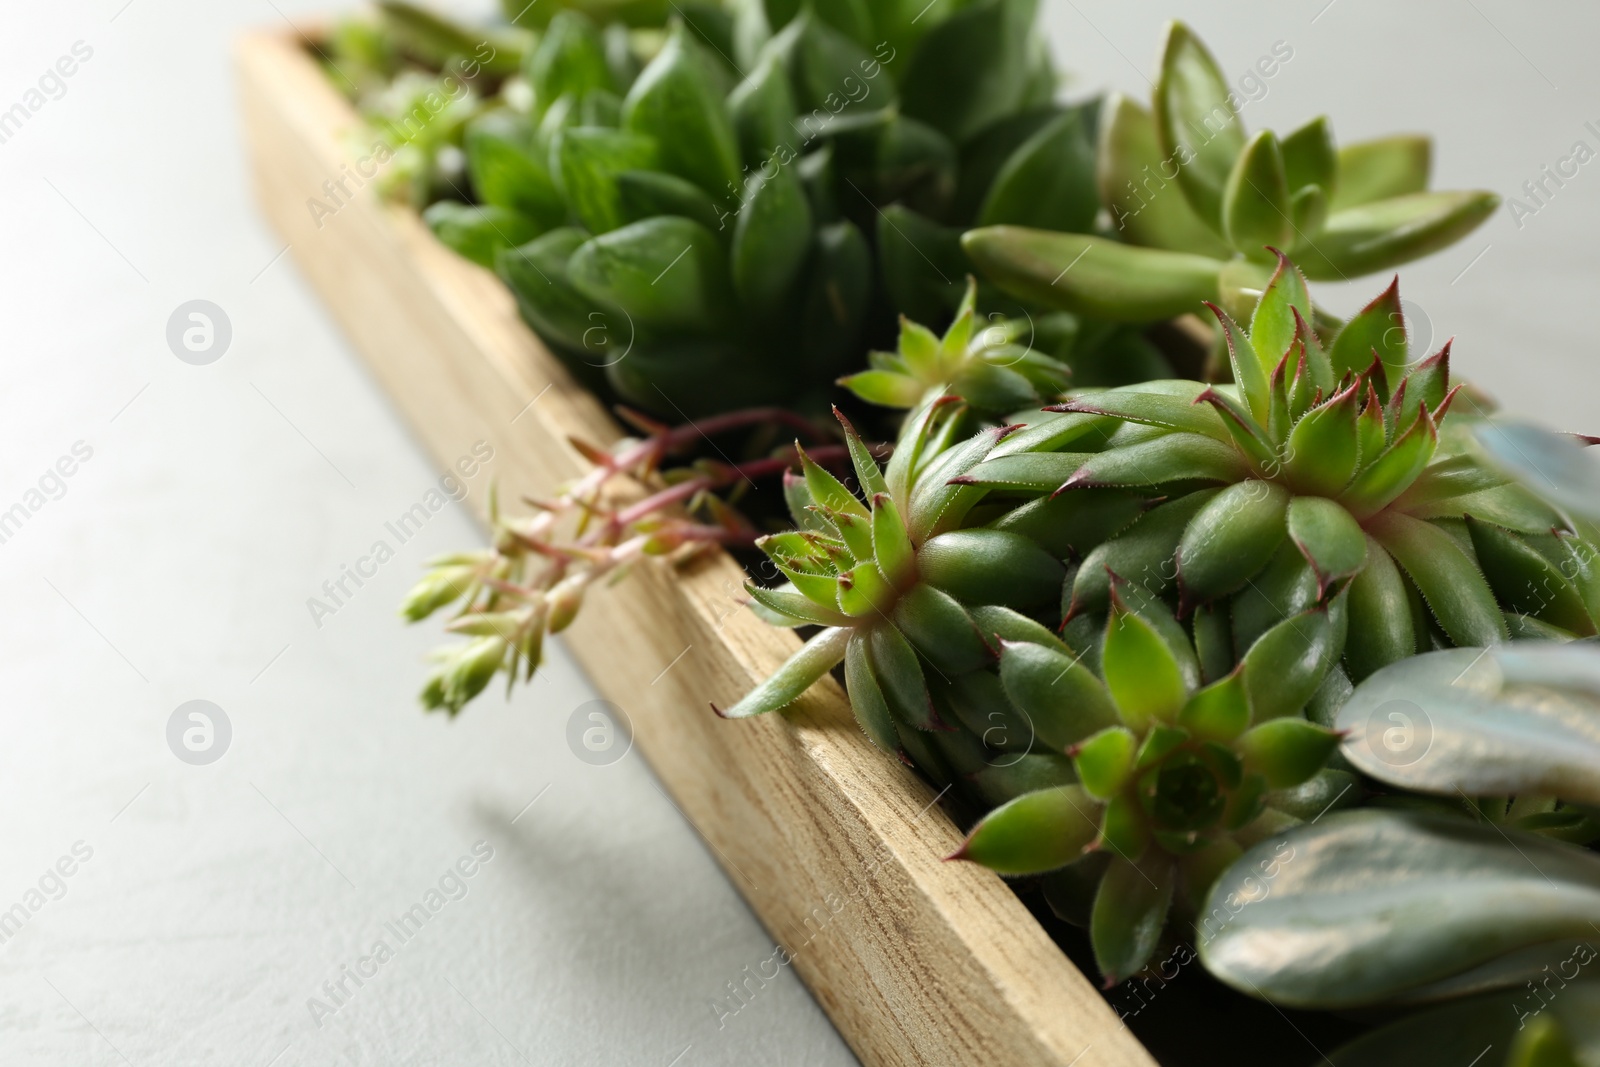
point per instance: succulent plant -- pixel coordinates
(1331, 478)
(1194, 202)
(1173, 776)
(986, 367)
(899, 587)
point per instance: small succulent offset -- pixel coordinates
(1174, 781)
(1193, 201)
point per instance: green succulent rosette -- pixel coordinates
(1195, 202)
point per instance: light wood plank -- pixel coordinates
(838, 849)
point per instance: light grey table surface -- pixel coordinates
(176, 562)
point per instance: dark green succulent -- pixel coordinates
(1195, 203)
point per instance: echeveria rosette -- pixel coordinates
(1330, 478)
(1194, 202)
(1174, 779)
(982, 365)
(1470, 876)
(901, 591)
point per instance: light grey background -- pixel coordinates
(178, 562)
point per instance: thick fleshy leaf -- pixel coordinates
(585, 162)
(1029, 472)
(1448, 578)
(667, 273)
(1232, 538)
(941, 630)
(1385, 478)
(1034, 833)
(939, 501)
(1287, 663)
(783, 686)
(1496, 1028)
(479, 232)
(1273, 326)
(1008, 777)
(1104, 762)
(991, 567)
(1379, 328)
(1453, 722)
(570, 60)
(999, 624)
(866, 696)
(1310, 157)
(1323, 451)
(1196, 121)
(1134, 177)
(1288, 751)
(1142, 405)
(1140, 669)
(771, 241)
(644, 194)
(1255, 201)
(1555, 467)
(1092, 275)
(1286, 587)
(1381, 628)
(509, 169)
(1048, 183)
(675, 102)
(795, 607)
(1219, 712)
(1330, 539)
(1387, 233)
(1360, 907)
(942, 87)
(1382, 168)
(1525, 581)
(892, 550)
(1130, 911)
(1176, 457)
(1062, 699)
(899, 675)
(1144, 554)
(763, 110)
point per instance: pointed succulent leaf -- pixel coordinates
(674, 101)
(1524, 580)
(1381, 628)
(884, 388)
(862, 591)
(1092, 275)
(1213, 641)
(1048, 183)
(1450, 478)
(1175, 457)
(1029, 472)
(1231, 538)
(794, 606)
(899, 674)
(1284, 667)
(1459, 721)
(1447, 576)
(1250, 438)
(771, 241)
(1009, 777)
(569, 59)
(1382, 480)
(866, 696)
(1387, 233)
(1140, 669)
(1553, 466)
(1372, 434)
(1330, 539)
(868, 474)
(1130, 911)
(1309, 209)
(1425, 387)
(783, 686)
(1104, 762)
(1310, 157)
(999, 624)
(1137, 404)
(939, 499)
(1034, 833)
(1250, 370)
(1196, 121)
(892, 550)
(827, 492)
(1131, 172)
(1323, 450)
(991, 567)
(1287, 751)
(1379, 328)
(939, 628)
(1143, 554)
(1124, 829)
(1255, 200)
(942, 87)
(919, 348)
(1062, 699)
(1382, 168)
(1219, 712)
(803, 510)
(585, 163)
(1365, 906)
(763, 110)
(668, 274)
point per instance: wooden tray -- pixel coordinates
(837, 848)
